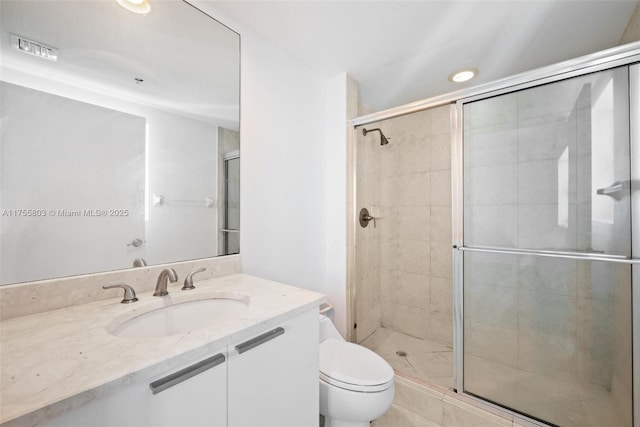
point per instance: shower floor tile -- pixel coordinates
(559, 401)
(428, 362)
(425, 360)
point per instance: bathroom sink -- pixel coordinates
(183, 317)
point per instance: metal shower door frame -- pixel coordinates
(634, 138)
(458, 249)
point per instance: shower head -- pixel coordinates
(383, 139)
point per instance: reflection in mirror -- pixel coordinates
(119, 137)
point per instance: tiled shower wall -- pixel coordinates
(403, 264)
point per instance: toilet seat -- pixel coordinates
(353, 367)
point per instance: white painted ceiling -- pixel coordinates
(188, 61)
(403, 51)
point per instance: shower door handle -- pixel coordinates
(614, 188)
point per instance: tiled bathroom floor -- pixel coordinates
(426, 361)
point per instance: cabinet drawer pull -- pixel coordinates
(186, 373)
(260, 339)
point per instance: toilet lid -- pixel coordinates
(353, 364)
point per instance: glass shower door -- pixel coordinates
(231, 215)
(547, 235)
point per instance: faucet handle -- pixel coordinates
(188, 282)
(139, 262)
(129, 293)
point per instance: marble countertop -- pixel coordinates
(54, 361)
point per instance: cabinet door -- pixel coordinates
(200, 400)
(273, 381)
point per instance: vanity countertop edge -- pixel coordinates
(58, 360)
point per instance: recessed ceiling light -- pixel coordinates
(463, 75)
(136, 6)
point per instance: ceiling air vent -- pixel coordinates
(34, 48)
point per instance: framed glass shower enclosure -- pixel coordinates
(546, 247)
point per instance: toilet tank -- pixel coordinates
(328, 329)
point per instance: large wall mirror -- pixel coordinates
(119, 136)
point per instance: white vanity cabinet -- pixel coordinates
(265, 380)
(200, 400)
(275, 383)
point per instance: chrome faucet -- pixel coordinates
(166, 275)
(129, 293)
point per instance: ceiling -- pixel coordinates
(188, 62)
(404, 51)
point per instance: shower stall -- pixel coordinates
(403, 259)
(500, 258)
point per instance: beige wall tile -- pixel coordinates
(495, 381)
(413, 290)
(412, 321)
(398, 416)
(491, 225)
(493, 269)
(441, 259)
(596, 343)
(546, 138)
(414, 157)
(413, 222)
(595, 278)
(539, 227)
(440, 227)
(538, 182)
(440, 120)
(387, 225)
(409, 128)
(548, 100)
(426, 404)
(441, 329)
(548, 314)
(388, 292)
(491, 112)
(491, 185)
(389, 193)
(495, 343)
(389, 253)
(558, 276)
(414, 256)
(544, 354)
(389, 160)
(413, 189)
(441, 300)
(400, 171)
(368, 322)
(601, 412)
(457, 417)
(491, 145)
(441, 188)
(491, 304)
(440, 152)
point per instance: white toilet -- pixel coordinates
(356, 385)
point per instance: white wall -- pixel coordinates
(292, 199)
(341, 105)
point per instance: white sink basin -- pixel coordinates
(183, 317)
